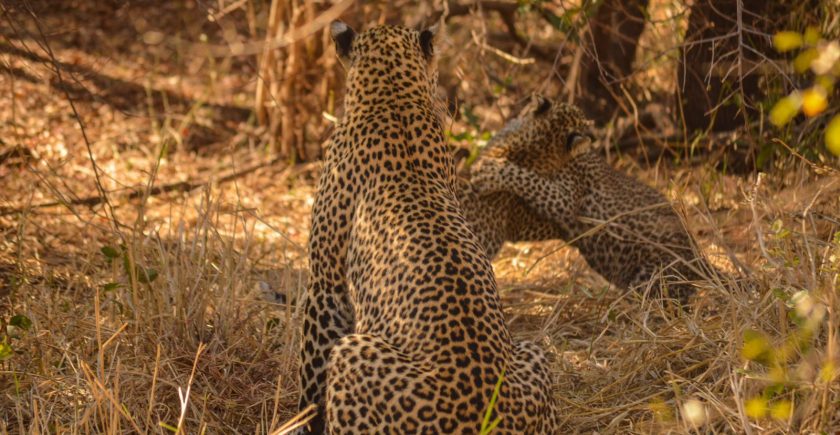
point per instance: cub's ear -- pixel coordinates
(542, 105)
(578, 143)
(427, 40)
(343, 36)
(574, 139)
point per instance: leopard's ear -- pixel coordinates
(542, 105)
(578, 143)
(343, 36)
(428, 38)
(573, 139)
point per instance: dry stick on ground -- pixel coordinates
(181, 186)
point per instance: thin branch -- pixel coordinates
(54, 61)
(181, 186)
(507, 12)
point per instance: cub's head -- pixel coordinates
(544, 137)
(387, 61)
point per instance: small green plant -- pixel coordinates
(486, 425)
(168, 427)
(144, 275)
(12, 330)
(6, 350)
(473, 139)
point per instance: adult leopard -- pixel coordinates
(403, 331)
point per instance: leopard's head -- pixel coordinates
(387, 63)
(544, 137)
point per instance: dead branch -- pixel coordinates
(507, 12)
(181, 186)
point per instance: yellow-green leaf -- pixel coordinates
(814, 101)
(827, 372)
(756, 408)
(6, 351)
(660, 410)
(781, 410)
(756, 346)
(826, 82)
(168, 427)
(812, 35)
(778, 375)
(802, 62)
(787, 41)
(832, 136)
(785, 109)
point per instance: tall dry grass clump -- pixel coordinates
(152, 331)
(755, 355)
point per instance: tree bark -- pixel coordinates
(718, 79)
(615, 29)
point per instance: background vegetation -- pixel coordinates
(158, 161)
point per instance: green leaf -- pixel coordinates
(470, 116)
(486, 425)
(832, 136)
(781, 410)
(6, 351)
(756, 347)
(460, 137)
(803, 60)
(168, 427)
(785, 109)
(827, 372)
(772, 391)
(126, 264)
(826, 81)
(765, 153)
(812, 35)
(787, 41)
(556, 22)
(781, 294)
(109, 252)
(21, 322)
(756, 408)
(146, 275)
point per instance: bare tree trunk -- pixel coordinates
(718, 77)
(616, 29)
(286, 93)
(268, 61)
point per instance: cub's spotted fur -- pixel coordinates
(540, 170)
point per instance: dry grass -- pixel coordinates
(208, 346)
